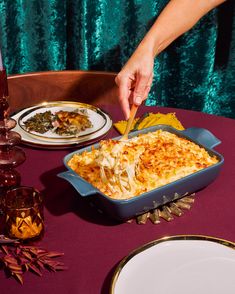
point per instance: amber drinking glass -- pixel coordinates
(23, 212)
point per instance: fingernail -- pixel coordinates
(138, 100)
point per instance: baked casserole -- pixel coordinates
(122, 170)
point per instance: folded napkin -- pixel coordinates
(150, 119)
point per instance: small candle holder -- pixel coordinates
(23, 212)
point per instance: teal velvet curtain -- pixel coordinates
(196, 72)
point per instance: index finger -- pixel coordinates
(124, 95)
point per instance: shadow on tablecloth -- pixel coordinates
(61, 198)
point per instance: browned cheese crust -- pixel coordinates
(122, 170)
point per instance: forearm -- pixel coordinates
(178, 17)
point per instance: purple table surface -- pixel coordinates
(94, 244)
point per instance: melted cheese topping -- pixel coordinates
(122, 170)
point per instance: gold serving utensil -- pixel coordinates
(129, 122)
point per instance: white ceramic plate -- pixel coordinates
(63, 142)
(179, 265)
(94, 114)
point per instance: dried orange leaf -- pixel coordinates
(10, 259)
(40, 264)
(13, 267)
(35, 269)
(61, 267)
(27, 255)
(4, 249)
(19, 278)
(54, 254)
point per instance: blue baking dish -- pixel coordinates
(129, 208)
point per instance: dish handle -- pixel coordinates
(202, 136)
(82, 187)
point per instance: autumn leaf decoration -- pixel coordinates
(17, 259)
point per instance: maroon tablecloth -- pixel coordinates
(92, 243)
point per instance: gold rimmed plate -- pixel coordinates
(178, 264)
(67, 142)
(94, 115)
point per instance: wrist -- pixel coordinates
(147, 47)
(152, 44)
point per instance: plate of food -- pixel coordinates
(62, 120)
(62, 124)
(178, 264)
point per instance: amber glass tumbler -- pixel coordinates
(23, 213)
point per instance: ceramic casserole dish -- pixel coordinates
(129, 208)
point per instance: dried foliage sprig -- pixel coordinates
(17, 259)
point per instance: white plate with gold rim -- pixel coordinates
(179, 265)
(101, 121)
(96, 117)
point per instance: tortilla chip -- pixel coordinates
(149, 120)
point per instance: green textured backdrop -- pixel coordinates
(196, 72)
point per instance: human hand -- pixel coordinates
(135, 79)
